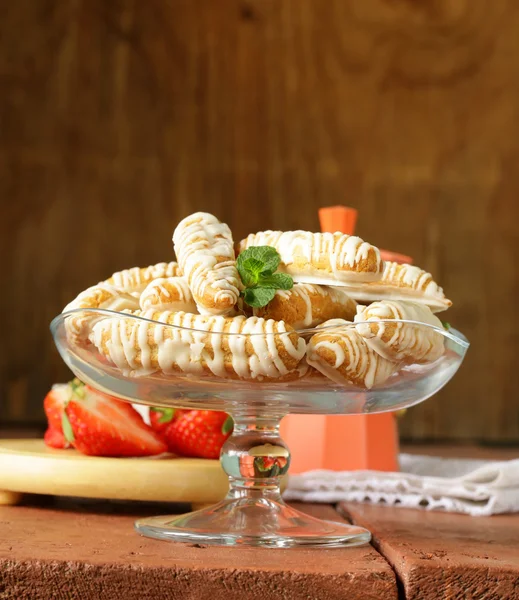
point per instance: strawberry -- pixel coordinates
(54, 438)
(101, 425)
(54, 405)
(270, 466)
(198, 433)
(160, 418)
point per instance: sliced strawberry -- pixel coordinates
(160, 418)
(199, 433)
(102, 425)
(269, 465)
(55, 439)
(54, 405)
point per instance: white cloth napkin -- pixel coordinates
(474, 487)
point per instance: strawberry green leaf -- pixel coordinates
(278, 281)
(260, 465)
(258, 297)
(167, 414)
(78, 388)
(228, 425)
(275, 470)
(67, 428)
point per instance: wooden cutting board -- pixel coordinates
(29, 467)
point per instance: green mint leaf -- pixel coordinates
(278, 281)
(266, 255)
(166, 414)
(249, 270)
(256, 266)
(67, 428)
(228, 425)
(446, 325)
(258, 297)
(248, 279)
(253, 265)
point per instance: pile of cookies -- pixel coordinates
(281, 306)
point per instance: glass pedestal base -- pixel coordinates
(253, 513)
(252, 520)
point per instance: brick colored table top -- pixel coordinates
(442, 555)
(64, 549)
(69, 553)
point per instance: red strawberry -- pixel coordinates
(101, 425)
(160, 418)
(54, 405)
(55, 439)
(199, 433)
(272, 465)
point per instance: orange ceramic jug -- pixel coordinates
(342, 443)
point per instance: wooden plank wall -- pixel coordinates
(118, 118)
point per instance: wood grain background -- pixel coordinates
(118, 118)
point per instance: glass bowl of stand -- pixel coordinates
(254, 456)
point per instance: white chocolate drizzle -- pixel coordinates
(407, 342)
(249, 348)
(137, 278)
(355, 363)
(103, 296)
(329, 255)
(402, 282)
(168, 293)
(205, 252)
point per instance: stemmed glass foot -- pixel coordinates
(253, 513)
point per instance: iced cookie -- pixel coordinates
(307, 305)
(169, 293)
(403, 282)
(137, 278)
(103, 296)
(407, 342)
(231, 347)
(205, 252)
(342, 355)
(322, 258)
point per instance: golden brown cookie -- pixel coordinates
(231, 347)
(342, 354)
(322, 258)
(205, 252)
(137, 278)
(102, 295)
(307, 305)
(402, 282)
(403, 342)
(168, 293)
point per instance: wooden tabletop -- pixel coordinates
(61, 549)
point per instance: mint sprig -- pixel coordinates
(256, 266)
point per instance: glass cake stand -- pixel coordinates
(254, 457)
